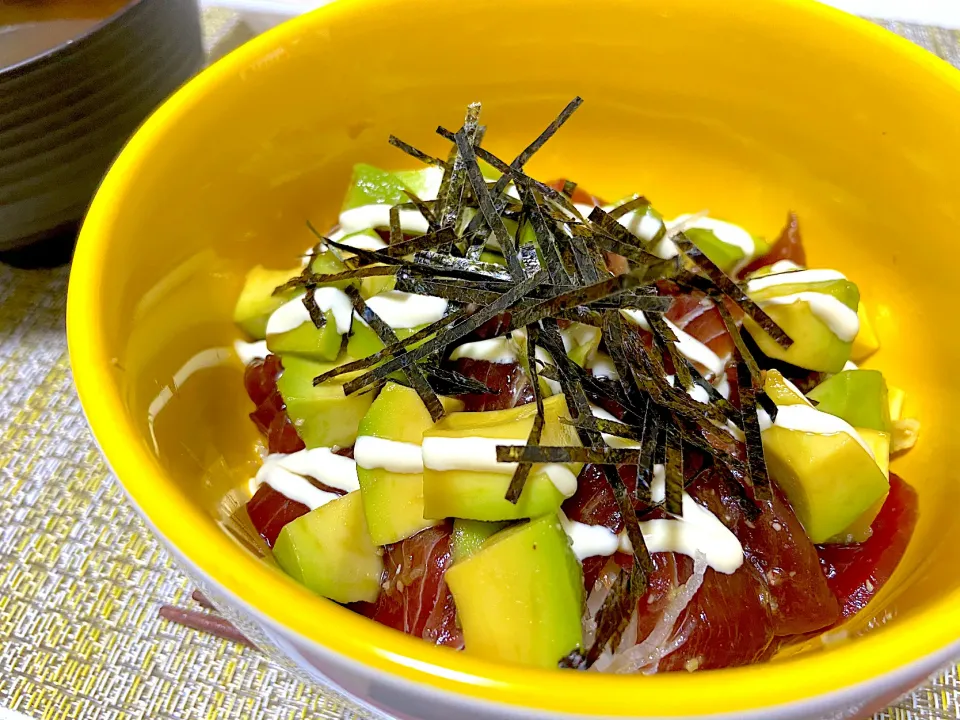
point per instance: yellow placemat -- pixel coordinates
(82, 580)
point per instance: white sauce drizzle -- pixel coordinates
(400, 457)
(602, 365)
(293, 314)
(589, 540)
(368, 217)
(806, 418)
(791, 276)
(500, 350)
(722, 384)
(363, 241)
(402, 310)
(842, 321)
(250, 351)
(645, 226)
(612, 440)
(687, 344)
(479, 454)
(287, 474)
(212, 357)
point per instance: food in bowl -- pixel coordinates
(504, 416)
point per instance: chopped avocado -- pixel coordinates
(493, 257)
(326, 263)
(479, 495)
(257, 302)
(392, 501)
(815, 345)
(470, 535)
(520, 597)
(330, 551)
(323, 415)
(866, 343)
(581, 341)
(370, 185)
(857, 396)
(322, 343)
(376, 284)
(725, 255)
(829, 478)
(861, 530)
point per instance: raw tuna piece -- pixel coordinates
(789, 246)
(415, 599)
(260, 380)
(777, 546)
(508, 379)
(270, 510)
(855, 573)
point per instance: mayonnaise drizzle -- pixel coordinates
(645, 226)
(293, 314)
(687, 344)
(499, 349)
(368, 217)
(806, 418)
(287, 474)
(363, 241)
(842, 320)
(479, 454)
(400, 457)
(601, 365)
(250, 351)
(697, 531)
(402, 310)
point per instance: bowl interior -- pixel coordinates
(748, 110)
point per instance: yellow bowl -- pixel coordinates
(748, 109)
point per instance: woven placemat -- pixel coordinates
(82, 580)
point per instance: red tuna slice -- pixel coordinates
(508, 380)
(777, 546)
(789, 246)
(270, 417)
(697, 315)
(855, 573)
(415, 598)
(270, 510)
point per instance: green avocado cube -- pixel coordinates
(257, 302)
(520, 596)
(322, 415)
(393, 501)
(371, 185)
(329, 550)
(470, 535)
(857, 396)
(322, 343)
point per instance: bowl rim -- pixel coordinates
(382, 650)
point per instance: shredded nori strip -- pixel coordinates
(733, 291)
(464, 267)
(674, 471)
(616, 611)
(756, 463)
(630, 206)
(448, 290)
(743, 353)
(401, 247)
(520, 475)
(413, 371)
(414, 152)
(533, 453)
(316, 314)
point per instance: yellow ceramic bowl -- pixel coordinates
(748, 108)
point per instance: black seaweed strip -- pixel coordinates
(529, 260)
(616, 611)
(587, 316)
(548, 132)
(316, 314)
(390, 350)
(652, 422)
(585, 262)
(611, 227)
(574, 660)
(580, 407)
(449, 337)
(450, 382)
(569, 187)
(520, 475)
(424, 209)
(726, 408)
(545, 238)
(652, 304)
(767, 404)
(629, 206)
(743, 352)
(458, 293)
(451, 194)
(444, 235)
(477, 243)
(413, 371)
(574, 298)
(370, 256)
(533, 453)
(674, 471)
(463, 267)
(396, 232)
(360, 272)
(733, 291)
(414, 152)
(756, 463)
(631, 252)
(667, 340)
(487, 208)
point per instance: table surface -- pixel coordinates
(82, 580)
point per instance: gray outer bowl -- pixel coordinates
(64, 115)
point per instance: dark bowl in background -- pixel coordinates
(65, 113)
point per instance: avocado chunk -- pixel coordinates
(322, 415)
(257, 302)
(857, 396)
(371, 185)
(470, 535)
(322, 343)
(393, 501)
(520, 596)
(330, 551)
(478, 494)
(800, 309)
(820, 462)
(861, 528)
